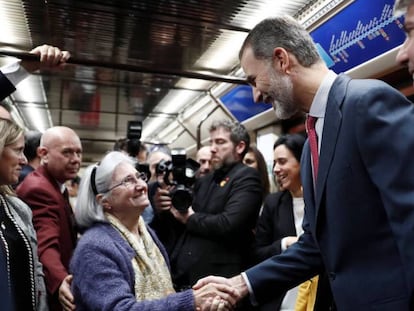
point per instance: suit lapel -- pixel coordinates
(65, 200)
(306, 174)
(332, 124)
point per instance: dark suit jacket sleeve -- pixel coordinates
(46, 205)
(276, 275)
(239, 211)
(6, 87)
(384, 121)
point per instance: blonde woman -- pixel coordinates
(22, 284)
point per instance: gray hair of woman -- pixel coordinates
(96, 180)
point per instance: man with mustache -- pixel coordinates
(214, 235)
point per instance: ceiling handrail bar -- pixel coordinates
(133, 68)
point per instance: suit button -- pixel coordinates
(332, 275)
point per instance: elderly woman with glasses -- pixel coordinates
(119, 264)
(22, 285)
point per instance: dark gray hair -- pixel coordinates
(237, 131)
(284, 32)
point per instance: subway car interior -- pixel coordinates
(173, 64)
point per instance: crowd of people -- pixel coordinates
(335, 236)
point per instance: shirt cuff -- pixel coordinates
(283, 245)
(14, 72)
(249, 287)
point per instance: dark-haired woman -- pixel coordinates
(254, 158)
(280, 225)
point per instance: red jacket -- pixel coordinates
(55, 227)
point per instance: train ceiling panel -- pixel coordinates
(166, 63)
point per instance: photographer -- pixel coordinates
(214, 235)
(154, 158)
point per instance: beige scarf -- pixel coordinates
(152, 277)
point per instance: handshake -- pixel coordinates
(214, 293)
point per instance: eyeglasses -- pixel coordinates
(131, 180)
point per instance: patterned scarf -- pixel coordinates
(152, 277)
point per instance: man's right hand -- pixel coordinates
(50, 58)
(162, 199)
(65, 294)
(237, 283)
(215, 297)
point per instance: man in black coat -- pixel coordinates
(215, 234)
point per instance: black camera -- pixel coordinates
(134, 130)
(144, 168)
(179, 172)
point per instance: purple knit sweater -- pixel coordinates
(103, 277)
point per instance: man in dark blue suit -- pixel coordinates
(359, 214)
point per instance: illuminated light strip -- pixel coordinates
(313, 14)
(13, 32)
(217, 56)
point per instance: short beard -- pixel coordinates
(281, 91)
(229, 160)
(216, 165)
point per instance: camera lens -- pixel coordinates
(181, 198)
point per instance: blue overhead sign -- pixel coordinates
(239, 101)
(361, 31)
